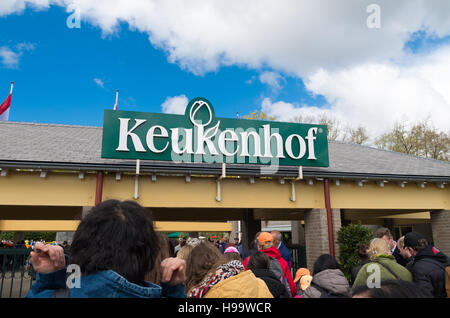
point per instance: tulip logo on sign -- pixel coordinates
(198, 136)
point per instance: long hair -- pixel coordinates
(258, 260)
(184, 252)
(119, 236)
(200, 261)
(164, 252)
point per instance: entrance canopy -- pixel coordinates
(50, 172)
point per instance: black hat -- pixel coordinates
(412, 239)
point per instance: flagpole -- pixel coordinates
(138, 161)
(117, 97)
(12, 85)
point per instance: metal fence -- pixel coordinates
(298, 257)
(17, 274)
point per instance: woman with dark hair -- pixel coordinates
(259, 264)
(328, 280)
(363, 259)
(114, 247)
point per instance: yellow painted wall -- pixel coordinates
(71, 226)
(62, 189)
(391, 196)
(65, 189)
(201, 192)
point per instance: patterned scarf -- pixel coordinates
(224, 271)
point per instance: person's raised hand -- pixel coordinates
(47, 258)
(172, 271)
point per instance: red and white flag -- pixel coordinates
(5, 106)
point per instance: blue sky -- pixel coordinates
(302, 59)
(54, 81)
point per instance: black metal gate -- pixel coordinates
(17, 273)
(298, 257)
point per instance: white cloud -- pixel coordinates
(272, 79)
(296, 37)
(376, 95)
(18, 6)
(250, 80)
(24, 46)
(9, 58)
(365, 74)
(99, 82)
(175, 105)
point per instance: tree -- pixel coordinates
(356, 135)
(335, 132)
(350, 238)
(333, 124)
(259, 116)
(422, 140)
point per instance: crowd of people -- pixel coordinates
(16, 261)
(26, 244)
(120, 254)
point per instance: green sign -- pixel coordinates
(198, 136)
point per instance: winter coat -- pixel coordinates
(275, 253)
(328, 283)
(285, 253)
(390, 264)
(243, 285)
(103, 284)
(276, 288)
(398, 257)
(356, 269)
(428, 271)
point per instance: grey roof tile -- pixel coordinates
(82, 144)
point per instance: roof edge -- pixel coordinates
(215, 169)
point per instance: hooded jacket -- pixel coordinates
(243, 285)
(428, 270)
(330, 281)
(276, 288)
(103, 284)
(388, 265)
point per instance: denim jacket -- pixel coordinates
(102, 284)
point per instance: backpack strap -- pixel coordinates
(278, 270)
(389, 270)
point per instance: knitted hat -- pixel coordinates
(412, 239)
(231, 249)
